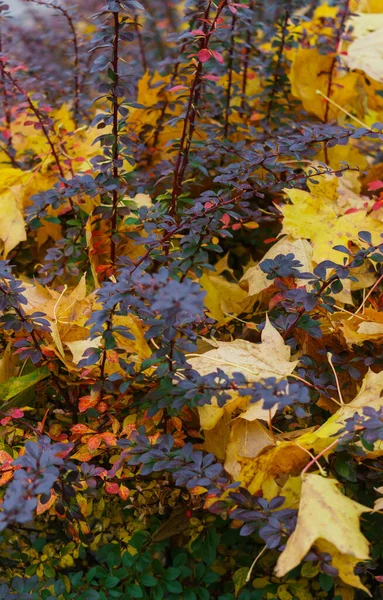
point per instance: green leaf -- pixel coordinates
(172, 573)
(91, 573)
(111, 581)
(157, 593)
(134, 591)
(75, 578)
(345, 468)
(239, 579)
(148, 580)
(49, 571)
(209, 548)
(16, 385)
(90, 595)
(174, 586)
(326, 582)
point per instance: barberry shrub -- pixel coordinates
(191, 277)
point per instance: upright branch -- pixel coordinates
(339, 32)
(4, 91)
(343, 16)
(115, 151)
(230, 75)
(76, 59)
(276, 78)
(141, 46)
(160, 121)
(246, 60)
(186, 139)
(41, 120)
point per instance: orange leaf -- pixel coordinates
(80, 429)
(87, 402)
(94, 442)
(198, 490)
(5, 462)
(84, 454)
(124, 492)
(108, 438)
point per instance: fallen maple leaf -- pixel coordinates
(368, 395)
(12, 224)
(317, 216)
(326, 514)
(270, 358)
(365, 51)
(257, 280)
(224, 298)
(309, 72)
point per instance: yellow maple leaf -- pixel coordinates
(368, 395)
(366, 6)
(224, 298)
(284, 458)
(326, 514)
(365, 51)
(359, 327)
(316, 216)
(310, 72)
(247, 440)
(12, 225)
(256, 279)
(270, 358)
(344, 563)
(152, 91)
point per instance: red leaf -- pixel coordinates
(218, 57)
(16, 413)
(204, 55)
(225, 219)
(198, 32)
(112, 488)
(177, 88)
(210, 77)
(375, 185)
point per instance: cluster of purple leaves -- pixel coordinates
(168, 307)
(257, 514)
(188, 388)
(296, 303)
(39, 469)
(324, 562)
(189, 467)
(366, 427)
(279, 393)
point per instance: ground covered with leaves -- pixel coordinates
(191, 300)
